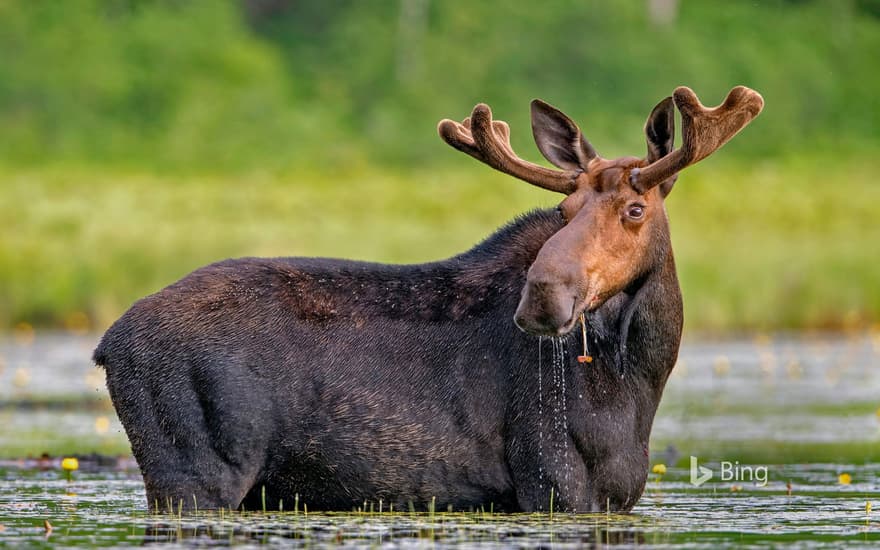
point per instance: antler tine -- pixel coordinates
(488, 141)
(704, 131)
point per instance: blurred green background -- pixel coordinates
(142, 139)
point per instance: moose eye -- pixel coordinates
(635, 211)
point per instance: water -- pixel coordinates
(106, 508)
(558, 435)
(805, 408)
(540, 415)
(560, 419)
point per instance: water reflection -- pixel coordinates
(443, 531)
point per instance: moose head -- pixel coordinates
(616, 229)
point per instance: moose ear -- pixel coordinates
(660, 130)
(660, 135)
(559, 138)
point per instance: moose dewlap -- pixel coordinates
(257, 380)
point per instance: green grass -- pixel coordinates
(781, 244)
(772, 452)
(696, 409)
(36, 442)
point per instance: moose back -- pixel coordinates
(339, 382)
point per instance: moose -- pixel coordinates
(253, 382)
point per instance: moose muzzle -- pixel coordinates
(546, 307)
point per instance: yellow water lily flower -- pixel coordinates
(70, 464)
(844, 479)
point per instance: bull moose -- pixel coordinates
(338, 382)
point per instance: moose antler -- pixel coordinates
(704, 131)
(488, 141)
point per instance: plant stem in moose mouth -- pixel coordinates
(586, 357)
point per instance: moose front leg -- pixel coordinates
(559, 479)
(619, 478)
(547, 471)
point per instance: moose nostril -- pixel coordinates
(545, 308)
(538, 326)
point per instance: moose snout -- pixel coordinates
(545, 308)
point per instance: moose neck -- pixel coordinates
(637, 332)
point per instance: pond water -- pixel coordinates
(803, 410)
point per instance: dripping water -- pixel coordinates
(566, 463)
(540, 420)
(560, 420)
(557, 460)
(555, 412)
